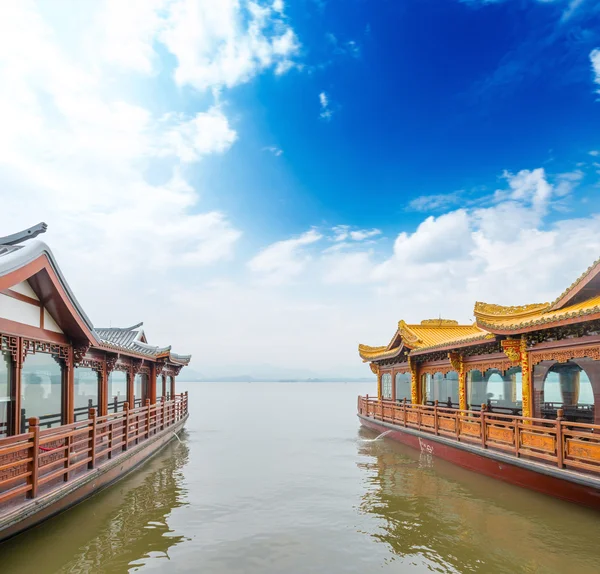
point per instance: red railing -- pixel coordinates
(39, 460)
(557, 442)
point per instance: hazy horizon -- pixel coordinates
(275, 182)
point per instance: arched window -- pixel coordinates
(443, 388)
(160, 380)
(41, 389)
(403, 387)
(117, 390)
(6, 393)
(426, 387)
(86, 391)
(140, 389)
(502, 392)
(386, 386)
(567, 386)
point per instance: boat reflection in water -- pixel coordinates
(122, 527)
(453, 520)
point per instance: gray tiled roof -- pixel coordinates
(120, 336)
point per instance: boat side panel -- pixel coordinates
(552, 486)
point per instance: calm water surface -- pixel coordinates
(279, 478)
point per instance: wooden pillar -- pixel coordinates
(415, 395)
(69, 380)
(103, 397)
(163, 382)
(152, 384)
(172, 387)
(526, 378)
(393, 375)
(130, 388)
(16, 388)
(516, 351)
(457, 362)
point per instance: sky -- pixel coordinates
(268, 183)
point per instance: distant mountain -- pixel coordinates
(267, 374)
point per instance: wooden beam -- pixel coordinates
(21, 297)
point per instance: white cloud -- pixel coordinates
(344, 232)
(226, 43)
(595, 59)
(326, 111)
(435, 202)
(207, 132)
(274, 150)
(284, 260)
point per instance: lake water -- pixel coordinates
(279, 478)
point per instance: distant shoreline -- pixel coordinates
(253, 380)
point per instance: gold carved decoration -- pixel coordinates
(439, 322)
(501, 311)
(374, 368)
(512, 349)
(414, 381)
(584, 450)
(543, 442)
(563, 355)
(482, 366)
(433, 369)
(458, 365)
(525, 377)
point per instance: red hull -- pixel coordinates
(525, 474)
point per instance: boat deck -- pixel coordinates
(573, 448)
(41, 466)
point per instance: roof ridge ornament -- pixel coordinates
(24, 235)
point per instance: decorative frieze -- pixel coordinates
(563, 355)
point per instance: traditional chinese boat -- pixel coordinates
(512, 396)
(80, 406)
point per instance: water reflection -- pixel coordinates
(120, 529)
(459, 521)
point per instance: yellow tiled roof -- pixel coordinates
(496, 317)
(429, 333)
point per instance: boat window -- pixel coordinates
(425, 387)
(403, 386)
(568, 387)
(6, 392)
(140, 389)
(159, 386)
(117, 390)
(41, 390)
(86, 391)
(444, 389)
(386, 386)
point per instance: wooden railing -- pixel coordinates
(557, 442)
(41, 459)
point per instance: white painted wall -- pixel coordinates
(15, 310)
(50, 323)
(25, 289)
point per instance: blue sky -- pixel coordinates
(296, 176)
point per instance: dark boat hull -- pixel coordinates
(564, 484)
(36, 511)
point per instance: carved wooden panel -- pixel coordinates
(10, 344)
(500, 434)
(501, 364)
(470, 429)
(428, 421)
(59, 351)
(582, 449)
(412, 417)
(447, 424)
(563, 355)
(537, 441)
(432, 369)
